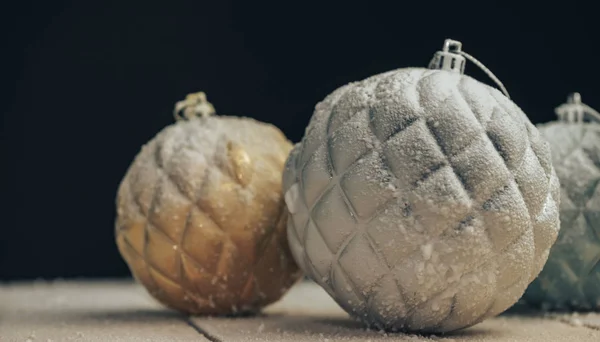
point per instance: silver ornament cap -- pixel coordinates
(449, 58)
(575, 111)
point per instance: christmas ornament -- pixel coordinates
(201, 218)
(571, 277)
(421, 199)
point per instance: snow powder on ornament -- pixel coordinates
(201, 216)
(421, 199)
(571, 278)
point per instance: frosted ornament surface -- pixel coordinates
(201, 217)
(427, 200)
(571, 277)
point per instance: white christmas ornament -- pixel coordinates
(421, 199)
(571, 277)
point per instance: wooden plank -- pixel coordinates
(307, 313)
(87, 311)
(122, 311)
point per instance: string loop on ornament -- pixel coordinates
(194, 105)
(452, 59)
(487, 72)
(574, 111)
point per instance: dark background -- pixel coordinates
(86, 84)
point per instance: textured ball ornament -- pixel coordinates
(571, 277)
(421, 199)
(200, 213)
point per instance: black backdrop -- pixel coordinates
(87, 83)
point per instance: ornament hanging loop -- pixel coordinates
(194, 105)
(574, 111)
(453, 59)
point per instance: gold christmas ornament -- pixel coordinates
(200, 215)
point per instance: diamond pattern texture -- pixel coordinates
(421, 200)
(201, 220)
(571, 277)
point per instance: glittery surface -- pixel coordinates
(201, 218)
(421, 200)
(571, 277)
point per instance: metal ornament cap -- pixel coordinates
(449, 58)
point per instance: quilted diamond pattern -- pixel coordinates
(421, 200)
(202, 232)
(571, 277)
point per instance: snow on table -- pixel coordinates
(122, 311)
(87, 311)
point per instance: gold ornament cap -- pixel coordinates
(194, 105)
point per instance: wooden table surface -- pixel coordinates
(122, 311)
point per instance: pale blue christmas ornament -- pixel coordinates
(571, 278)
